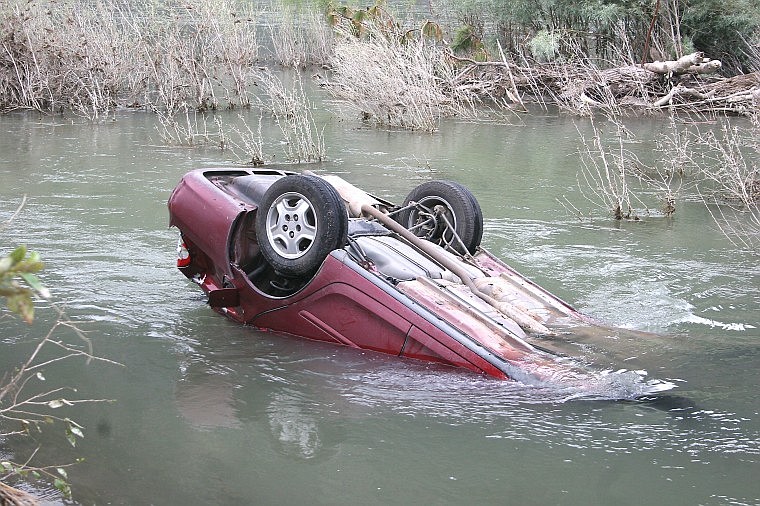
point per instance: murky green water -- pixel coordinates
(207, 412)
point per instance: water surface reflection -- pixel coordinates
(208, 411)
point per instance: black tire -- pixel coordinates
(300, 220)
(457, 204)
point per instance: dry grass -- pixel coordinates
(181, 60)
(300, 38)
(89, 57)
(303, 140)
(729, 167)
(203, 52)
(244, 142)
(711, 160)
(54, 56)
(607, 167)
(717, 165)
(396, 81)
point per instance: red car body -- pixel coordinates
(391, 298)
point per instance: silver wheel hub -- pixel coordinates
(291, 225)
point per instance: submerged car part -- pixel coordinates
(317, 257)
(445, 213)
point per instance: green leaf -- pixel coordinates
(73, 431)
(63, 487)
(33, 281)
(18, 254)
(34, 258)
(28, 266)
(359, 16)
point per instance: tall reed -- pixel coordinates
(396, 80)
(89, 57)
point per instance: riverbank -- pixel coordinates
(186, 62)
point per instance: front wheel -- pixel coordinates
(300, 220)
(441, 209)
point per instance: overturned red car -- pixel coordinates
(316, 257)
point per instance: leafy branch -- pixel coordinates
(18, 281)
(25, 403)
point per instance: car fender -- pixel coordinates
(206, 217)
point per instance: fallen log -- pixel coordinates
(10, 496)
(679, 91)
(689, 83)
(694, 63)
(739, 94)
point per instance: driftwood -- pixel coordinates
(690, 83)
(10, 496)
(694, 63)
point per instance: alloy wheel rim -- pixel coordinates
(291, 225)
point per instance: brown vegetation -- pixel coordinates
(88, 59)
(185, 60)
(10, 496)
(689, 84)
(393, 76)
(727, 162)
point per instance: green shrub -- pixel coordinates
(545, 45)
(18, 281)
(722, 29)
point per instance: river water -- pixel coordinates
(207, 412)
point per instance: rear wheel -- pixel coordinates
(443, 206)
(300, 220)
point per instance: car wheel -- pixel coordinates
(300, 220)
(439, 200)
